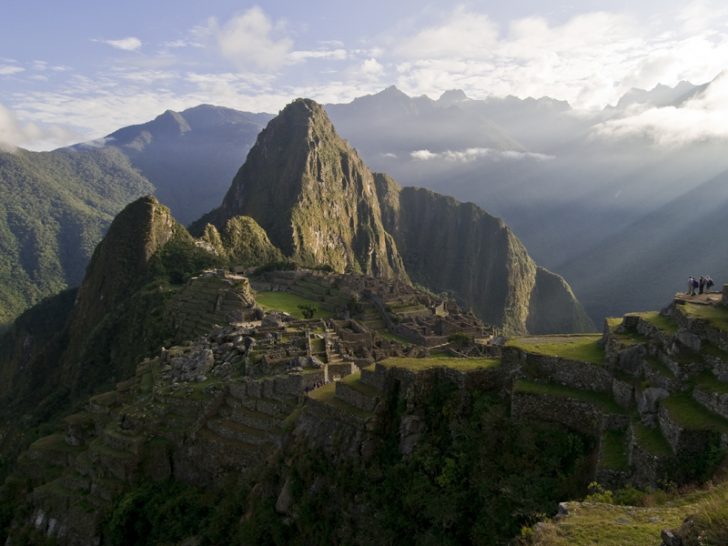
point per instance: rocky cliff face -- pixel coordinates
(458, 247)
(313, 195)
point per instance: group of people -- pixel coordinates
(699, 286)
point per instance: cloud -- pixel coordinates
(372, 68)
(471, 154)
(534, 57)
(702, 118)
(464, 34)
(125, 44)
(248, 39)
(14, 134)
(8, 70)
(9, 130)
(334, 54)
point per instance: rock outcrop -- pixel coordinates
(451, 246)
(313, 195)
(243, 242)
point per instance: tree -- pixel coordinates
(308, 311)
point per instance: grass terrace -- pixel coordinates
(691, 415)
(651, 440)
(326, 394)
(716, 315)
(630, 339)
(711, 383)
(354, 381)
(386, 334)
(614, 450)
(288, 303)
(665, 324)
(460, 364)
(600, 399)
(580, 347)
(613, 322)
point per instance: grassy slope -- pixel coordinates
(55, 208)
(611, 525)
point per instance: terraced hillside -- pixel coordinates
(221, 401)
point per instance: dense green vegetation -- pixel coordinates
(55, 208)
(475, 478)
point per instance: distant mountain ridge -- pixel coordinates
(190, 156)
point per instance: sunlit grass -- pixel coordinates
(461, 364)
(584, 348)
(288, 303)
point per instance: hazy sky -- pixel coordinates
(77, 70)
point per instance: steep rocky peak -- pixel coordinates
(312, 194)
(137, 232)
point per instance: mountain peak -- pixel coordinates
(170, 122)
(392, 91)
(313, 195)
(452, 96)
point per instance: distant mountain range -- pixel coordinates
(579, 199)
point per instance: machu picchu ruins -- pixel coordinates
(246, 377)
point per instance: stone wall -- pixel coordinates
(570, 373)
(648, 470)
(717, 402)
(580, 416)
(212, 298)
(685, 441)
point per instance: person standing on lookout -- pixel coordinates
(701, 285)
(691, 286)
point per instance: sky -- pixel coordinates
(77, 70)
